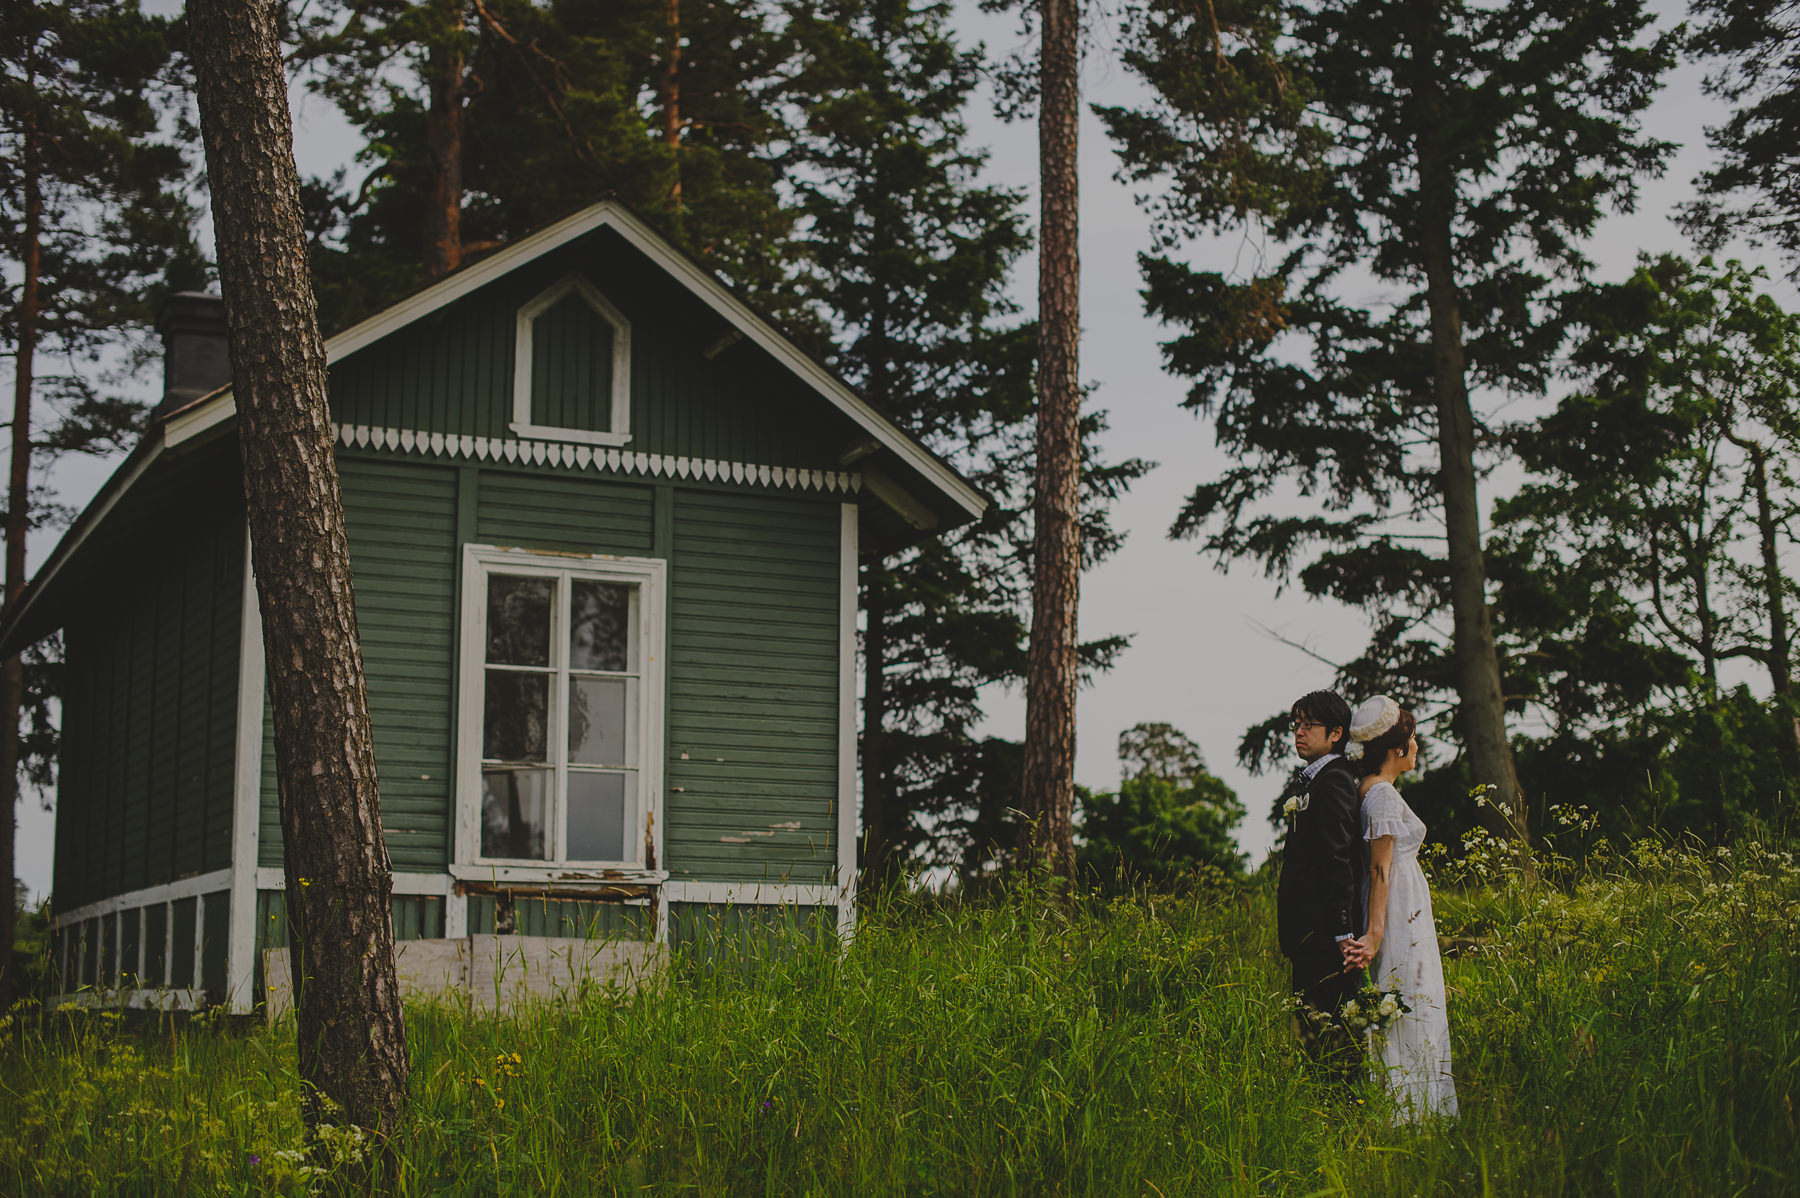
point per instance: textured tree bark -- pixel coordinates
(443, 154)
(671, 99)
(18, 518)
(1482, 715)
(352, 1043)
(1050, 680)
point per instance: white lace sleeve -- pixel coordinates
(1382, 812)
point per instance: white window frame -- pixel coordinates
(650, 575)
(620, 433)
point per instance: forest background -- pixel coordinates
(1204, 654)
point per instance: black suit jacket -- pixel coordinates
(1323, 864)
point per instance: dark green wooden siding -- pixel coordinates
(150, 701)
(706, 934)
(401, 520)
(753, 689)
(752, 675)
(452, 372)
(564, 513)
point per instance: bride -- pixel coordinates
(1401, 941)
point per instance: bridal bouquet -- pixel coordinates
(1371, 1010)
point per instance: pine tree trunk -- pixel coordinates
(18, 517)
(352, 1043)
(1482, 711)
(671, 101)
(1050, 680)
(443, 163)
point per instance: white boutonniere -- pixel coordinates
(1296, 805)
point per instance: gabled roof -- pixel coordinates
(185, 424)
(210, 410)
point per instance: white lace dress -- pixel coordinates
(1412, 1054)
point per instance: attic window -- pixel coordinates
(572, 367)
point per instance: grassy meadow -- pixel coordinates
(1631, 1029)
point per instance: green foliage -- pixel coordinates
(93, 86)
(562, 104)
(1308, 128)
(1629, 1032)
(1155, 833)
(1754, 189)
(1169, 822)
(1644, 550)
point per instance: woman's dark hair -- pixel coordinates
(1376, 750)
(1327, 708)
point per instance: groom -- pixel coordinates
(1319, 902)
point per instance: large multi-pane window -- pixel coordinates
(565, 677)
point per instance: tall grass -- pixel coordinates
(1632, 1032)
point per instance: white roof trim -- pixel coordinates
(611, 213)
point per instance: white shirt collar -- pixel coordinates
(1316, 764)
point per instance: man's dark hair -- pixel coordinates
(1327, 708)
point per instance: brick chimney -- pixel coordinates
(196, 357)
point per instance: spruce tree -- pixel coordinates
(1460, 154)
(95, 226)
(908, 257)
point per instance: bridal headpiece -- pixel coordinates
(1375, 716)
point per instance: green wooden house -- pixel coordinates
(604, 523)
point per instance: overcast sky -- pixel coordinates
(1196, 660)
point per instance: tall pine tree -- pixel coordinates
(1458, 153)
(95, 226)
(350, 1033)
(485, 120)
(907, 256)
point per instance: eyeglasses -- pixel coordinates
(1302, 724)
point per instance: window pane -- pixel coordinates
(515, 809)
(600, 626)
(599, 730)
(597, 816)
(518, 620)
(515, 726)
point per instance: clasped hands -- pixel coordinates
(1359, 952)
